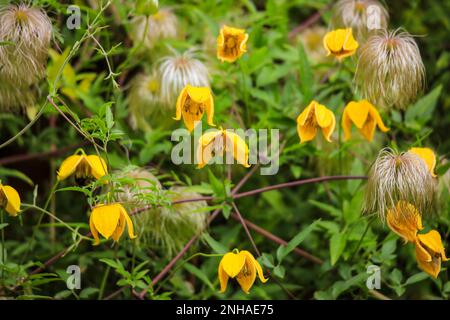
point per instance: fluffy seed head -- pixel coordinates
(390, 70)
(177, 71)
(150, 29)
(144, 98)
(396, 177)
(28, 32)
(13, 97)
(362, 16)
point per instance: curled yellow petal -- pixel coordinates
(69, 165)
(246, 278)
(405, 220)
(428, 156)
(11, 198)
(237, 147)
(257, 266)
(94, 231)
(105, 219)
(97, 165)
(430, 252)
(223, 277)
(128, 221)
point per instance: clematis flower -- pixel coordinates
(430, 252)
(231, 44)
(365, 117)
(9, 200)
(395, 177)
(242, 266)
(218, 142)
(313, 116)
(340, 43)
(405, 220)
(192, 103)
(109, 220)
(82, 166)
(428, 156)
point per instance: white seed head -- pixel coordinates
(390, 71)
(148, 30)
(144, 98)
(28, 31)
(13, 97)
(179, 70)
(396, 177)
(363, 16)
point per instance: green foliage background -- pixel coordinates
(267, 88)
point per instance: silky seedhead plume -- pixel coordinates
(390, 71)
(363, 16)
(177, 71)
(399, 177)
(27, 32)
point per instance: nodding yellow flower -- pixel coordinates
(192, 103)
(428, 156)
(430, 252)
(365, 117)
(109, 220)
(405, 220)
(217, 142)
(231, 44)
(82, 166)
(340, 43)
(313, 116)
(242, 266)
(10, 200)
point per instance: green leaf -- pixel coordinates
(215, 245)
(326, 207)
(279, 271)
(6, 172)
(422, 111)
(3, 225)
(337, 246)
(199, 274)
(283, 251)
(306, 75)
(416, 278)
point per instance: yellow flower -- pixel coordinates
(405, 220)
(340, 43)
(231, 44)
(365, 117)
(217, 142)
(430, 252)
(10, 200)
(428, 156)
(83, 166)
(109, 220)
(242, 266)
(313, 116)
(192, 103)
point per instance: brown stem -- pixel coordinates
(244, 225)
(313, 19)
(296, 183)
(278, 240)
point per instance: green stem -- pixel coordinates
(3, 246)
(103, 284)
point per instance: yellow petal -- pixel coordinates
(306, 132)
(428, 156)
(350, 44)
(405, 220)
(357, 112)
(346, 125)
(223, 277)
(246, 278)
(237, 146)
(206, 146)
(324, 117)
(433, 243)
(128, 221)
(68, 166)
(97, 165)
(233, 263)
(94, 231)
(368, 129)
(12, 200)
(328, 131)
(301, 119)
(180, 103)
(373, 112)
(429, 264)
(257, 266)
(105, 219)
(119, 229)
